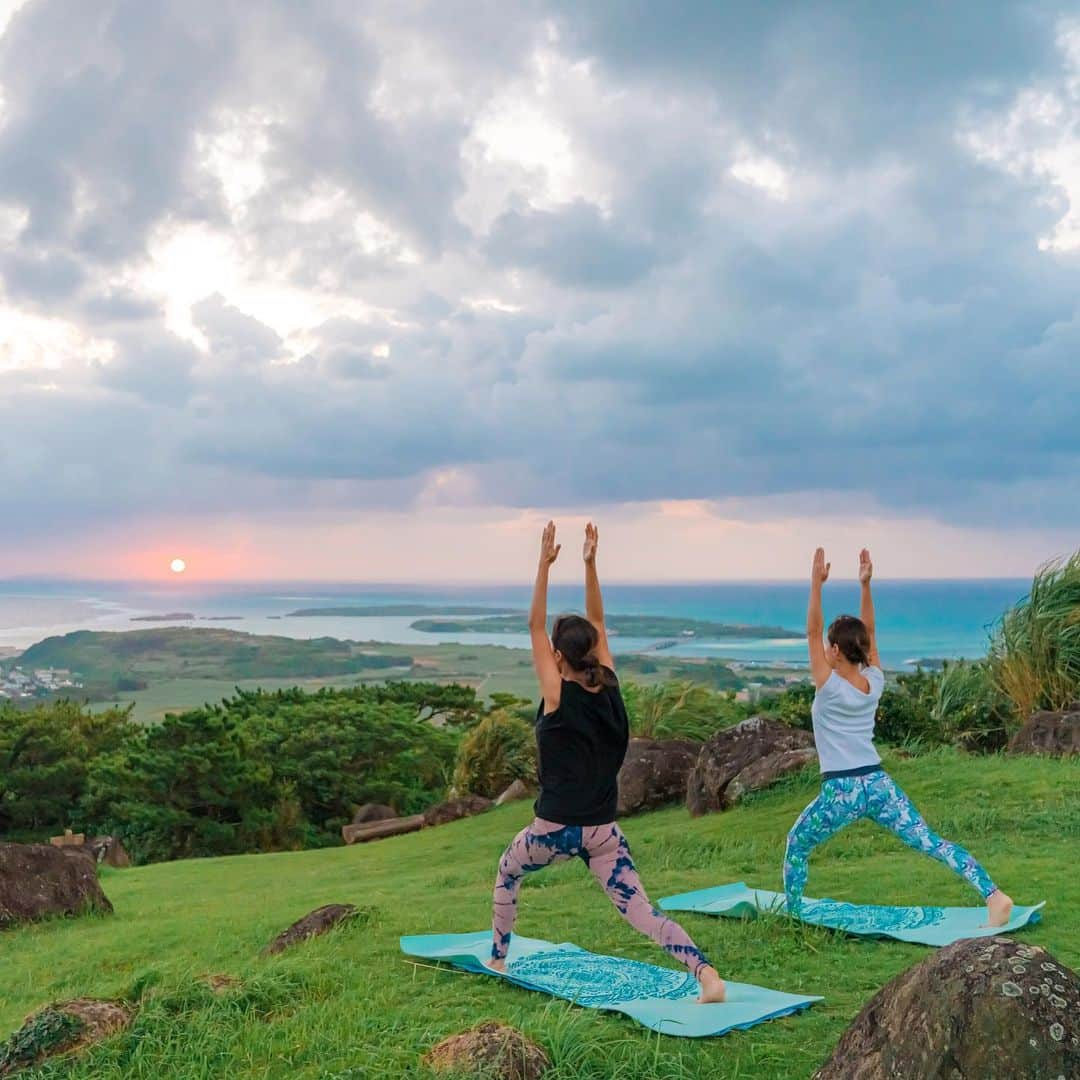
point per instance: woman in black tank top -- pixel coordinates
(582, 732)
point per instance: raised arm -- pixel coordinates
(547, 669)
(815, 620)
(594, 602)
(866, 604)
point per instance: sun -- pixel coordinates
(178, 566)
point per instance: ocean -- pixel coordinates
(916, 619)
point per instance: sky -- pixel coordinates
(369, 291)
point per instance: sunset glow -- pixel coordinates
(178, 566)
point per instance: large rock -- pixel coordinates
(63, 1028)
(493, 1051)
(39, 880)
(519, 789)
(655, 773)
(108, 850)
(751, 755)
(1056, 733)
(986, 1007)
(466, 806)
(371, 812)
(312, 925)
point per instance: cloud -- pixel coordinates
(547, 254)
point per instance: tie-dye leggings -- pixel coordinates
(604, 850)
(877, 796)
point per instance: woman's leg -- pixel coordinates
(838, 804)
(607, 855)
(536, 846)
(890, 807)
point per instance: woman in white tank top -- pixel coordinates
(847, 674)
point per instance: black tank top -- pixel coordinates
(581, 746)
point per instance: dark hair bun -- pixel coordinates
(851, 637)
(576, 639)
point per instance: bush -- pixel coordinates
(44, 756)
(1035, 648)
(970, 710)
(792, 705)
(906, 711)
(678, 710)
(498, 751)
(264, 772)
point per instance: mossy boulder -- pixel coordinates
(991, 1008)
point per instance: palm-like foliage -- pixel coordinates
(970, 709)
(677, 710)
(1035, 649)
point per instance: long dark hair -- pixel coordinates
(851, 637)
(576, 639)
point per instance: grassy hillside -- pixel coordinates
(350, 1006)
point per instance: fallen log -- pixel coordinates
(377, 830)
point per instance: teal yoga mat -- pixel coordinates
(660, 998)
(924, 925)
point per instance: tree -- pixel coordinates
(45, 753)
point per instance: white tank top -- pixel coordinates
(844, 721)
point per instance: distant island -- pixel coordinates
(400, 609)
(222, 618)
(643, 626)
(170, 616)
(108, 661)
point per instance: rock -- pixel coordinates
(108, 850)
(62, 1028)
(748, 756)
(466, 806)
(983, 1007)
(312, 925)
(1055, 733)
(38, 880)
(654, 773)
(371, 812)
(517, 790)
(493, 1051)
(361, 834)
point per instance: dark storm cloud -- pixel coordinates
(881, 325)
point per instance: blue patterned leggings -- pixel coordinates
(604, 850)
(876, 796)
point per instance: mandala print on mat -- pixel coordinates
(588, 979)
(867, 918)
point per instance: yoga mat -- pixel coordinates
(660, 998)
(923, 925)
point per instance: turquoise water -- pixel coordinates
(916, 619)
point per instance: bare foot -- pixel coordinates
(1000, 906)
(712, 986)
(497, 965)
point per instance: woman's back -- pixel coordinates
(581, 747)
(843, 719)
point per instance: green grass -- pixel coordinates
(349, 1005)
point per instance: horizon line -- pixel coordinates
(474, 583)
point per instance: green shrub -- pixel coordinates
(678, 710)
(971, 711)
(266, 771)
(45, 753)
(792, 705)
(906, 714)
(1035, 647)
(498, 751)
